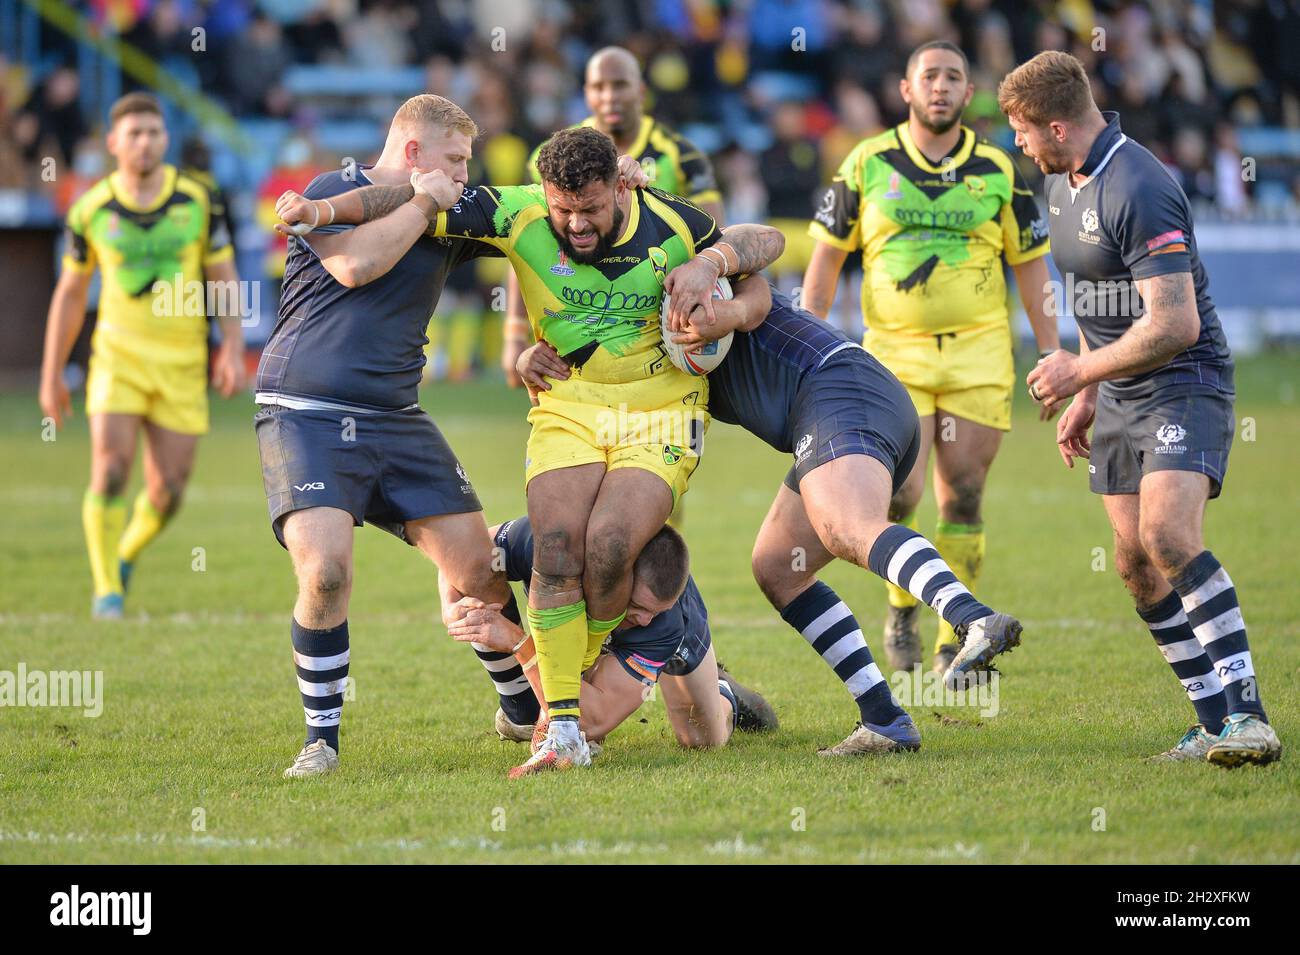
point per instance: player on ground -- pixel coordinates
(615, 92)
(664, 640)
(611, 451)
(164, 258)
(1156, 374)
(342, 437)
(935, 211)
(805, 389)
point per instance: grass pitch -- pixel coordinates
(201, 713)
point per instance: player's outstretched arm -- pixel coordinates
(67, 315)
(822, 278)
(743, 249)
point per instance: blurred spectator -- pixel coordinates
(255, 62)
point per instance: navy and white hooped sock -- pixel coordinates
(518, 702)
(1214, 615)
(826, 622)
(321, 659)
(1191, 664)
(724, 688)
(907, 560)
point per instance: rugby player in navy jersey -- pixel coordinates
(1154, 382)
(806, 389)
(341, 435)
(663, 641)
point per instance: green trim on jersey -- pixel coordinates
(932, 236)
(603, 318)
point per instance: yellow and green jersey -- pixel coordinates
(670, 160)
(170, 241)
(602, 318)
(932, 236)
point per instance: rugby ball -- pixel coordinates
(710, 355)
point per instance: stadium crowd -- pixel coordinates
(777, 90)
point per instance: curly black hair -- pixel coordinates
(572, 159)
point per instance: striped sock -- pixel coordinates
(518, 701)
(1214, 615)
(724, 688)
(1182, 651)
(904, 557)
(321, 658)
(828, 625)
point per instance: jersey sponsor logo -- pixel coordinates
(1169, 436)
(312, 486)
(935, 218)
(610, 300)
(1054, 210)
(562, 267)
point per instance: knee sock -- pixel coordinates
(102, 519)
(321, 659)
(898, 597)
(146, 523)
(828, 625)
(905, 558)
(1182, 651)
(962, 546)
(560, 635)
(518, 701)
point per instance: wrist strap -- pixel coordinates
(330, 205)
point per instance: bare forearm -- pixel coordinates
(755, 247)
(753, 300)
(365, 204)
(374, 247)
(1170, 325)
(67, 315)
(1031, 282)
(822, 279)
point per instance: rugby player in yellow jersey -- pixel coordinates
(151, 232)
(615, 91)
(935, 211)
(613, 447)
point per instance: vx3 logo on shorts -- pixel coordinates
(313, 486)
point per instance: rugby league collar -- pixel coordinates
(1103, 144)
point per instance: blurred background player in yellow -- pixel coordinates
(155, 236)
(935, 211)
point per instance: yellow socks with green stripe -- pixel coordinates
(962, 548)
(597, 631)
(103, 518)
(898, 597)
(560, 635)
(146, 523)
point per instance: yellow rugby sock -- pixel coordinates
(962, 548)
(103, 518)
(597, 631)
(898, 597)
(146, 523)
(560, 635)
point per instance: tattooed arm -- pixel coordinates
(742, 250)
(1170, 325)
(755, 246)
